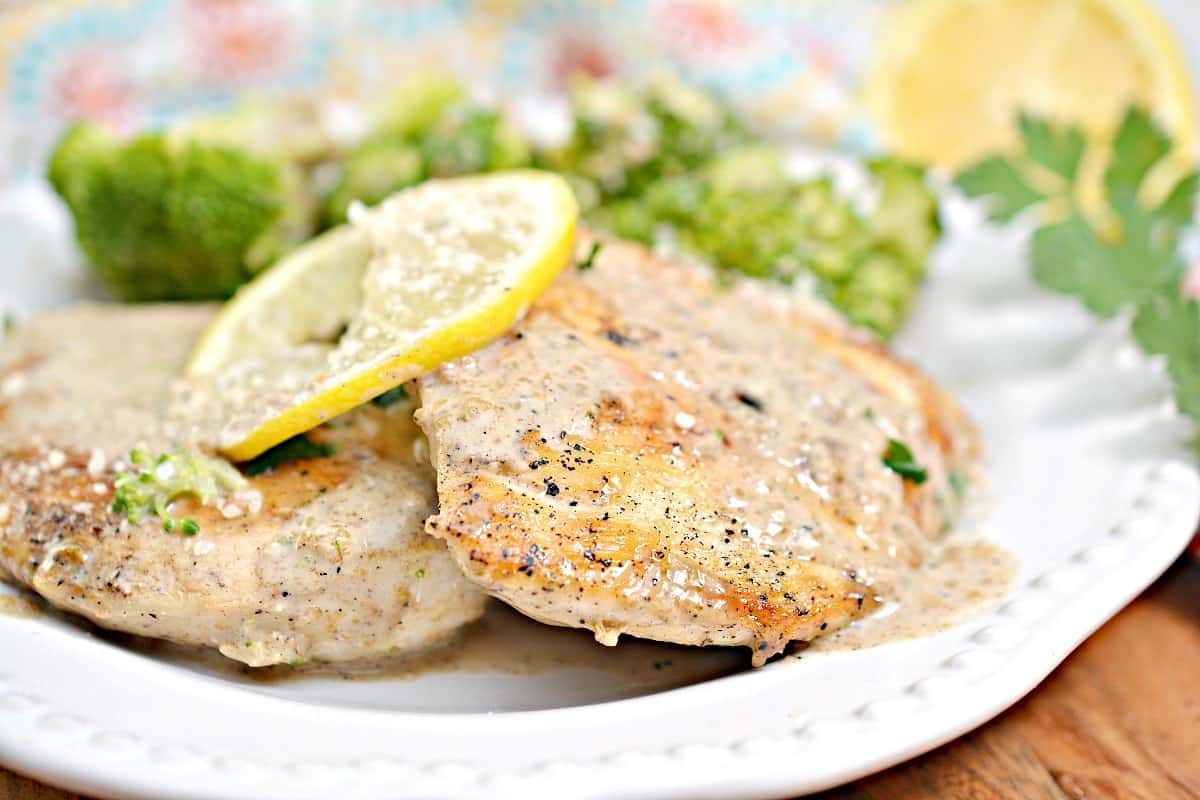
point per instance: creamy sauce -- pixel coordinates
(503, 642)
(672, 459)
(327, 560)
(118, 402)
(958, 580)
(787, 444)
(20, 607)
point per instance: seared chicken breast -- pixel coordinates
(325, 558)
(651, 453)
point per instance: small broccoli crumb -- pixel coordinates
(590, 261)
(392, 396)
(153, 484)
(293, 449)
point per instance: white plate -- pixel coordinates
(1093, 487)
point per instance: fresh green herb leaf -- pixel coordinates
(1179, 207)
(1056, 148)
(293, 449)
(1125, 257)
(420, 574)
(590, 261)
(998, 180)
(900, 460)
(1071, 257)
(1169, 325)
(392, 396)
(1137, 147)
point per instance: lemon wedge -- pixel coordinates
(430, 274)
(951, 75)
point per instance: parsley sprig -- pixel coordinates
(1121, 253)
(900, 460)
(293, 449)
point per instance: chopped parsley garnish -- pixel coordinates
(421, 574)
(1124, 255)
(590, 261)
(392, 396)
(188, 526)
(900, 460)
(293, 449)
(153, 484)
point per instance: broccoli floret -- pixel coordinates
(414, 107)
(465, 140)
(220, 202)
(907, 216)
(371, 172)
(743, 215)
(80, 150)
(167, 217)
(115, 192)
(755, 167)
(288, 129)
(472, 140)
(671, 166)
(623, 139)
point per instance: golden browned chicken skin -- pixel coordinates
(650, 453)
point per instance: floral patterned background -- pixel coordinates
(792, 64)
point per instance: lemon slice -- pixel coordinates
(951, 75)
(430, 274)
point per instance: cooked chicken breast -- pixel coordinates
(324, 559)
(650, 453)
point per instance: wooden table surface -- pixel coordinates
(1120, 719)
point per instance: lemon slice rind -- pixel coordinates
(251, 322)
